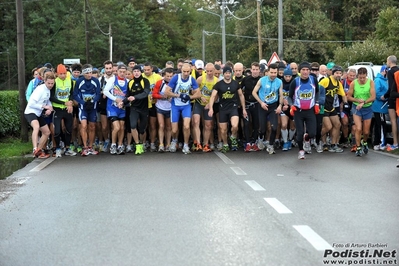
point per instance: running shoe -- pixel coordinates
(359, 151)
(319, 148)
(199, 147)
(259, 143)
(212, 146)
(206, 148)
(225, 148)
(220, 146)
(139, 149)
(270, 149)
(161, 148)
(180, 146)
(106, 145)
(325, 147)
(289, 145)
(186, 149)
(79, 149)
(173, 146)
(248, 147)
(277, 144)
(153, 147)
(306, 147)
(167, 148)
(301, 155)
(392, 147)
(365, 147)
(58, 153)
(354, 148)
(120, 150)
(376, 147)
(37, 152)
(234, 144)
(382, 147)
(129, 149)
(69, 152)
(255, 147)
(85, 152)
(93, 151)
(285, 146)
(43, 155)
(112, 150)
(72, 147)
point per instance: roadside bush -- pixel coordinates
(10, 123)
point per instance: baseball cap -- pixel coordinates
(383, 68)
(330, 65)
(199, 64)
(288, 72)
(131, 59)
(263, 61)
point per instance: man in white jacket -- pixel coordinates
(38, 107)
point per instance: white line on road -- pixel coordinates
(224, 158)
(312, 237)
(254, 185)
(277, 205)
(43, 165)
(238, 171)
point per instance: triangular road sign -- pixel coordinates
(274, 58)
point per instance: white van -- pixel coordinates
(372, 70)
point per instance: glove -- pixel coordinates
(316, 109)
(184, 97)
(88, 106)
(292, 110)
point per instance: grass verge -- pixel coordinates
(10, 147)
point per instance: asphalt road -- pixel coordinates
(201, 209)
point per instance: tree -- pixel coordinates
(387, 27)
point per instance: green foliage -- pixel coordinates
(387, 27)
(371, 50)
(10, 147)
(10, 123)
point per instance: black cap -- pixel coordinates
(131, 59)
(227, 69)
(304, 65)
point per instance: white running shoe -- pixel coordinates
(186, 149)
(58, 153)
(301, 155)
(172, 147)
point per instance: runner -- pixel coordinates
(38, 106)
(163, 107)
(87, 92)
(201, 108)
(229, 94)
(61, 99)
(179, 89)
(268, 92)
(137, 98)
(362, 94)
(115, 90)
(303, 98)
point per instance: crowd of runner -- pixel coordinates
(196, 107)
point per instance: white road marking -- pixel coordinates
(254, 185)
(238, 171)
(277, 205)
(43, 165)
(224, 158)
(280, 175)
(22, 180)
(312, 237)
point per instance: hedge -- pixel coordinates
(10, 124)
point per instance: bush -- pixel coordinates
(10, 123)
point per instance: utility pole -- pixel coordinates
(259, 30)
(203, 45)
(86, 33)
(223, 26)
(280, 29)
(21, 69)
(110, 42)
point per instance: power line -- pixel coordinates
(98, 27)
(275, 39)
